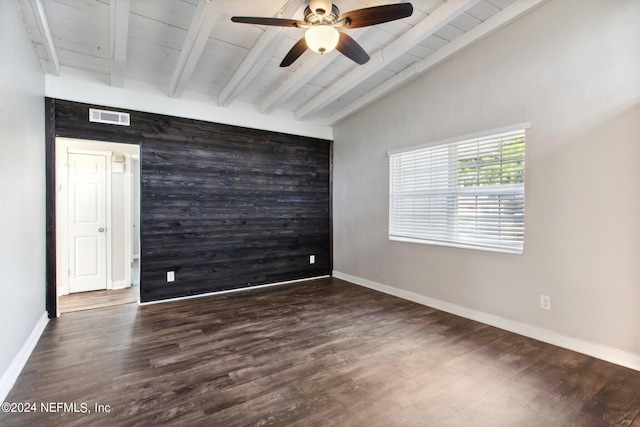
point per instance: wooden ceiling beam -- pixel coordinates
(503, 18)
(38, 28)
(312, 66)
(425, 28)
(202, 23)
(119, 35)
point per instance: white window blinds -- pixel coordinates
(467, 193)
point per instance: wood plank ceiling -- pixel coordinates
(187, 47)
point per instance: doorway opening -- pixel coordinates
(97, 231)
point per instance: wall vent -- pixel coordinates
(110, 117)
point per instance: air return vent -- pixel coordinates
(110, 117)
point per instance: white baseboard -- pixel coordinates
(248, 288)
(120, 284)
(11, 375)
(599, 351)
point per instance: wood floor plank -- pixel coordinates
(322, 352)
(618, 401)
(97, 299)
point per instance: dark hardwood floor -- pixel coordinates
(323, 352)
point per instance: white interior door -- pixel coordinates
(135, 204)
(87, 222)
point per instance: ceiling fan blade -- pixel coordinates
(375, 15)
(351, 49)
(274, 22)
(296, 51)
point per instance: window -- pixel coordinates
(464, 192)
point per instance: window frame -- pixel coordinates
(454, 192)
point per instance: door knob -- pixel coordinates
(100, 229)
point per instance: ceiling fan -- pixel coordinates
(322, 20)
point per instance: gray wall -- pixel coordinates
(572, 68)
(22, 180)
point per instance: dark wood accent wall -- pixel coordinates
(224, 207)
(50, 206)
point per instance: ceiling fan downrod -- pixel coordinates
(320, 7)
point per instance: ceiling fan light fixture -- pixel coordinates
(322, 38)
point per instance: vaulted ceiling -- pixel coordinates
(189, 47)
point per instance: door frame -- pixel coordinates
(56, 156)
(128, 220)
(64, 147)
(135, 212)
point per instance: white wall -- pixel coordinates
(572, 68)
(81, 86)
(22, 187)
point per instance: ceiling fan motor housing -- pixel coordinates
(315, 18)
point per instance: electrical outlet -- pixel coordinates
(376, 271)
(171, 276)
(312, 259)
(545, 302)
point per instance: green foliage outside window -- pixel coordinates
(502, 164)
